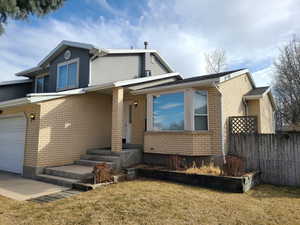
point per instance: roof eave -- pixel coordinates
(204, 83)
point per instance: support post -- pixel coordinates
(117, 119)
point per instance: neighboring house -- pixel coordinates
(80, 97)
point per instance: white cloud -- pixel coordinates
(250, 31)
(264, 77)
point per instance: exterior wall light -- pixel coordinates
(135, 104)
(32, 116)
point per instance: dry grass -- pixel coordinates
(205, 169)
(155, 202)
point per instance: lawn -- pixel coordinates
(155, 202)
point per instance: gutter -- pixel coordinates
(209, 82)
(15, 102)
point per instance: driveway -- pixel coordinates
(19, 188)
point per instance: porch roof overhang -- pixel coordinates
(204, 83)
(132, 84)
(198, 81)
(260, 96)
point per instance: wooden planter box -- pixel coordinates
(224, 183)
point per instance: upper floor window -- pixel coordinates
(41, 84)
(177, 111)
(67, 75)
(168, 111)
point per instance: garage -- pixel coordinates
(12, 143)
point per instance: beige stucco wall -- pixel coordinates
(32, 130)
(71, 125)
(266, 115)
(263, 109)
(194, 143)
(233, 91)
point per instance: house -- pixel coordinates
(80, 99)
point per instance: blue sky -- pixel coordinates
(250, 31)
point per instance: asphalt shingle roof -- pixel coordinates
(257, 91)
(199, 78)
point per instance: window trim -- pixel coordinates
(77, 75)
(189, 115)
(207, 114)
(35, 82)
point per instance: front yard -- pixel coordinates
(156, 202)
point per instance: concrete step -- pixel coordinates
(106, 158)
(66, 182)
(93, 163)
(79, 172)
(132, 146)
(102, 152)
(109, 152)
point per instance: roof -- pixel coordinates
(61, 47)
(13, 82)
(204, 80)
(93, 51)
(258, 91)
(32, 71)
(202, 77)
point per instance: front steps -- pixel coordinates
(81, 171)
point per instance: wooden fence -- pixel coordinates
(276, 156)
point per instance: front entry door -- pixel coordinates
(127, 121)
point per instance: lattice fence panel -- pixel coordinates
(243, 125)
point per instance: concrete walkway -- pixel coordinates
(19, 188)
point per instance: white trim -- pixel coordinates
(33, 69)
(206, 83)
(90, 72)
(67, 63)
(188, 107)
(149, 112)
(62, 93)
(151, 84)
(11, 82)
(14, 102)
(144, 79)
(207, 109)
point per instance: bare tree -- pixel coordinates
(215, 61)
(287, 83)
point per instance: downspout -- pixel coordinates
(222, 122)
(246, 106)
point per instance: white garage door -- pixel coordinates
(12, 141)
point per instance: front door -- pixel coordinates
(127, 121)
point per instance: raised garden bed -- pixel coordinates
(231, 184)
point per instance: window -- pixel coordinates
(200, 110)
(67, 75)
(186, 109)
(41, 84)
(168, 111)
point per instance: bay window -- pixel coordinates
(67, 75)
(168, 111)
(177, 111)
